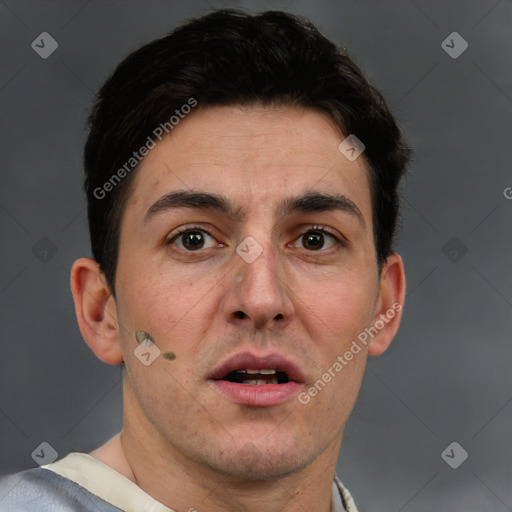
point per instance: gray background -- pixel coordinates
(446, 376)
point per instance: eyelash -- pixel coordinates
(312, 228)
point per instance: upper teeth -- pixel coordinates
(265, 371)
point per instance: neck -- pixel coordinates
(141, 454)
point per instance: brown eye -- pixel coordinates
(316, 239)
(192, 240)
(313, 240)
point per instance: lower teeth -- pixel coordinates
(259, 382)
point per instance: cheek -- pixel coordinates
(153, 294)
(173, 307)
(340, 308)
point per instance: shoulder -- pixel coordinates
(41, 490)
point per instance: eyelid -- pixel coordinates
(186, 229)
(323, 229)
(191, 227)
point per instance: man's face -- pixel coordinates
(296, 306)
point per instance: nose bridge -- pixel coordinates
(258, 265)
(259, 288)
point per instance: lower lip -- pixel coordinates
(264, 395)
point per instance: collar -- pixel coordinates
(114, 488)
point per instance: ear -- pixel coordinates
(389, 305)
(95, 310)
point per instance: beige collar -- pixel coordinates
(114, 488)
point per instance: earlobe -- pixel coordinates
(389, 305)
(95, 310)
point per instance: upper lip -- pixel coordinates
(248, 360)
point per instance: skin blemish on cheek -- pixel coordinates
(142, 336)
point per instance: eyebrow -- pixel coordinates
(305, 203)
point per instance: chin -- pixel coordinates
(263, 463)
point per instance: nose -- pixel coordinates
(258, 294)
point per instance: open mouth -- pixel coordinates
(258, 380)
(253, 377)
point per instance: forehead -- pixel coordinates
(256, 155)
